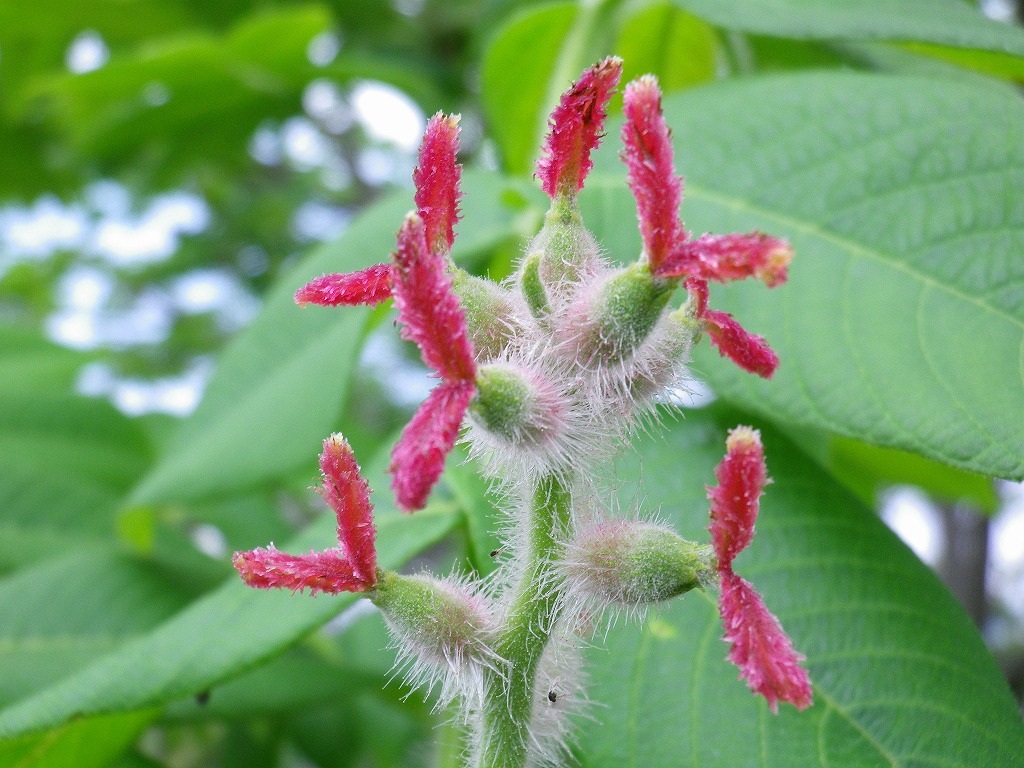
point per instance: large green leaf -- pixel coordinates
(216, 638)
(281, 384)
(64, 613)
(901, 677)
(91, 743)
(946, 22)
(66, 462)
(903, 320)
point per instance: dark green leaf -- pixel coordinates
(946, 22)
(216, 638)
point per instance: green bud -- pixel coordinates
(626, 308)
(490, 313)
(636, 563)
(512, 406)
(533, 287)
(435, 620)
(568, 252)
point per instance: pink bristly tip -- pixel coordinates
(348, 494)
(428, 308)
(760, 647)
(730, 257)
(437, 181)
(368, 286)
(749, 351)
(651, 175)
(418, 458)
(318, 571)
(575, 129)
(742, 475)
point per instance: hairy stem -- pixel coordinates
(508, 696)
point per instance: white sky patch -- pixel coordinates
(304, 145)
(210, 540)
(1006, 556)
(84, 288)
(147, 321)
(1000, 10)
(317, 221)
(176, 395)
(153, 236)
(387, 114)
(217, 291)
(324, 48)
(87, 52)
(156, 94)
(265, 146)
(41, 229)
(910, 514)
(325, 103)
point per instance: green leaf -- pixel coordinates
(280, 385)
(66, 463)
(515, 86)
(901, 677)
(661, 40)
(162, 103)
(30, 363)
(902, 323)
(868, 469)
(945, 22)
(91, 743)
(988, 62)
(66, 612)
(217, 637)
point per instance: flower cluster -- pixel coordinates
(545, 375)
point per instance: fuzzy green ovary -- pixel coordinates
(490, 315)
(428, 611)
(625, 311)
(567, 248)
(659, 565)
(503, 401)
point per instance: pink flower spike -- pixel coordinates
(428, 308)
(418, 458)
(749, 351)
(575, 129)
(319, 571)
(348, 494)
(652, 178)
(730, 257)
(368, 286)
(742, 476)
(760, 647)
(437, 181)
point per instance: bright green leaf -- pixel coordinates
(66, 612)
(661, 40)
(515, 84)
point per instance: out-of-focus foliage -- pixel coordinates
(884, 140)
